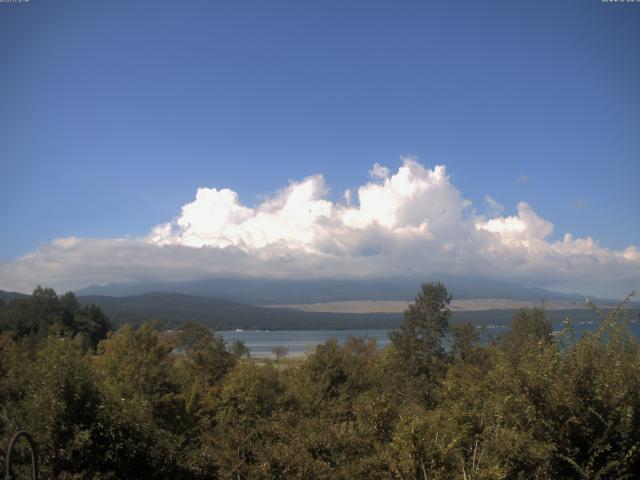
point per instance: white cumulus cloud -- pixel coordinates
(413, 221)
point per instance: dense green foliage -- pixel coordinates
(141, 403)
(44, 313)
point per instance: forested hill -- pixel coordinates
(8, 296)
(174, 309)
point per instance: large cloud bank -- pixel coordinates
(411, 222)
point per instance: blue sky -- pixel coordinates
(112, 114)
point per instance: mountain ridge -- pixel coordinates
(174, 309)
(267, 291)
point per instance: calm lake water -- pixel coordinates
(299, 342)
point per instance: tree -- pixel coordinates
(418, 340)
(206, 353)
(528, 326)
(240, 350)
(279, 351)
(143, 416)
(250, 395)
(44, 313)
(464, 343)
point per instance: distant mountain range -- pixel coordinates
(229, 303)
(305, 291)
(172, 309)
(246, 303)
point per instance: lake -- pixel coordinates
(299, 342)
